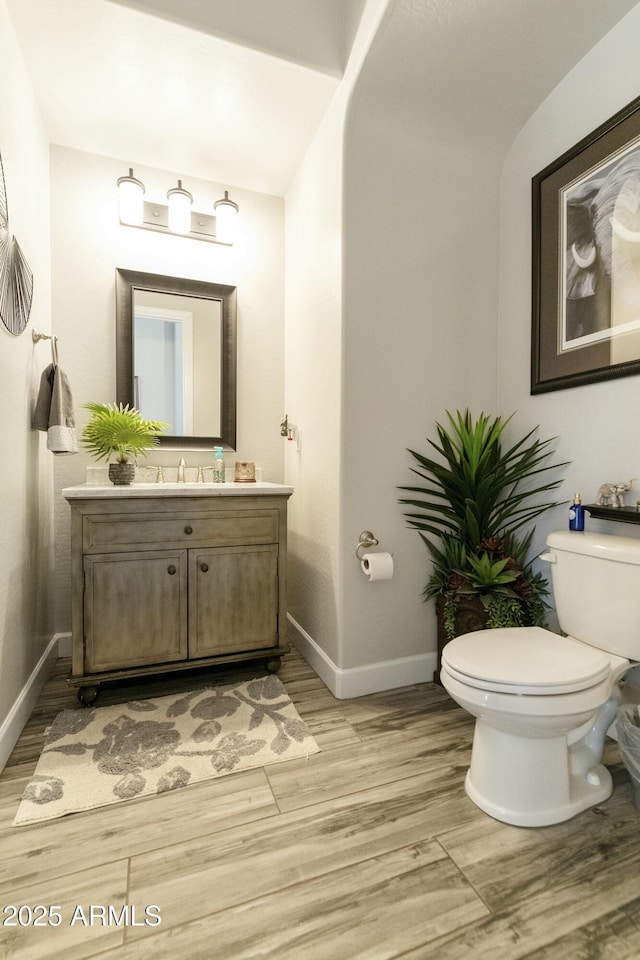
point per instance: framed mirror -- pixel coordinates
(176, 356)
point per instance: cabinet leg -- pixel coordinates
(87, 695)
(273, 664)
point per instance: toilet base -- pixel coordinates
(526, 781)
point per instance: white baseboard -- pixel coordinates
(22, 709)
(371, 678)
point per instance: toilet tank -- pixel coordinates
(596, 587)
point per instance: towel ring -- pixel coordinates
(365, 541)
(36, 336)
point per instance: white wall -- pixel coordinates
(26, 542)
(375, 353)
(314, 373)
(597, 425)
(417, 305)
(88, 244)
(421, 237)
(313, 392)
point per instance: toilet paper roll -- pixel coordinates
(377, 566)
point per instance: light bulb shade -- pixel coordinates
(226, 218)
(131, 199)
(180, 201)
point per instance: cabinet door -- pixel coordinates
(135, 609)
(233, 599)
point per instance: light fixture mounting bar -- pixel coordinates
(156, 217)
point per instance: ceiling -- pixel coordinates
(234, 90)
(472, 72)
(312, 33)
(218, 90)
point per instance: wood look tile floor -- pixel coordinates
(369, 850)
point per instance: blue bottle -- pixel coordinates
(576, 514)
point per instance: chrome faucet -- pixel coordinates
(181, 466)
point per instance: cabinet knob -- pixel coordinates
(171, 569)
(188, 529)
(204, 567)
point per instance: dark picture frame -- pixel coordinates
(130, 281)
(586, 259)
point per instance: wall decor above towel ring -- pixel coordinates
(16, 277)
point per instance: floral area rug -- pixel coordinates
(97, 756)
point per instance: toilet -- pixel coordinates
(543, 702)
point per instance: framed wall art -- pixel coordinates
(16, 278)
(586, 259)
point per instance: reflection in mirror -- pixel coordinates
(176, 356)
(172, 381)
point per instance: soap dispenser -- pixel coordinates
(218, 466)
(576, 514)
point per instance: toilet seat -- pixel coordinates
(524, 660)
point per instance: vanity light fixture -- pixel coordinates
(131, 200)
(177, 217)
(180, 201)
(226, 216)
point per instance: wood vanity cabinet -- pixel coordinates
(173, 583)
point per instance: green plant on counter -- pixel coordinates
(470, 511)
(119, 431)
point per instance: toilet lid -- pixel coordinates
(524, 660)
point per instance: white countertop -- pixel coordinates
(93, 491)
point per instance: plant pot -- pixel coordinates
(122, 474)
(470, 616)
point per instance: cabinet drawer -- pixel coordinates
(149, 531)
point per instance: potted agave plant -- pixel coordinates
(471, 511)
(121, 432)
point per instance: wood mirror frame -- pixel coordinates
(127, 282)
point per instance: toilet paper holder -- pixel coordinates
(365, 541)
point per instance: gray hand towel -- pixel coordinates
(54, 411)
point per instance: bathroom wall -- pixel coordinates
(420, 306)
(420, 329)
(88, 243)
(378, 359)
(313, 394)
(412, 321)
(26, 527)
(314, 375)
(597, 425)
